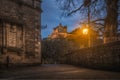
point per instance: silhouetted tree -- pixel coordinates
(54, 49)
(100, 13)
(111, 20)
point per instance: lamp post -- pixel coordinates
(86, 31)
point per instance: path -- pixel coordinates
(59, 71)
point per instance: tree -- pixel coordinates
(100, 13)
(53, 50)
(111, 20)
(92, 10)
(44, 26)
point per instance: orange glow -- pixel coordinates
(85, 31)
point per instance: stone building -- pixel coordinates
(59, 32)
(20, 31)
(77, 36)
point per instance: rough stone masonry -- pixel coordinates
(20, 31)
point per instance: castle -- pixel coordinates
(59, 32)
(20, 31)
(77, 36)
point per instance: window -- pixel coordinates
(14, 35)
(60, 30)
(11, 35)
(13, 29)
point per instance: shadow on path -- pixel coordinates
(56, 71)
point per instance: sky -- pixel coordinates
(51, 16)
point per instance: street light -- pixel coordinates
(85, 31)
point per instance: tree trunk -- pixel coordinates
(111, 21)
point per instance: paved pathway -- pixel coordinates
(59, 71)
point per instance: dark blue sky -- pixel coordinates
(52, 17)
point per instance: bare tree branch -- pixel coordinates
(99, 24)
(97, 20)
(79, 8)
(74, 11)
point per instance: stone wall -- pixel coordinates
(25, 15)
(105, 56)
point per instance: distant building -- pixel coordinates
(59, 32)
(20, 31)
(77, 36)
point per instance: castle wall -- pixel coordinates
(105, 56)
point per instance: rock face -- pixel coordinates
(20, 31)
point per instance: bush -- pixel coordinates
(54, 49)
